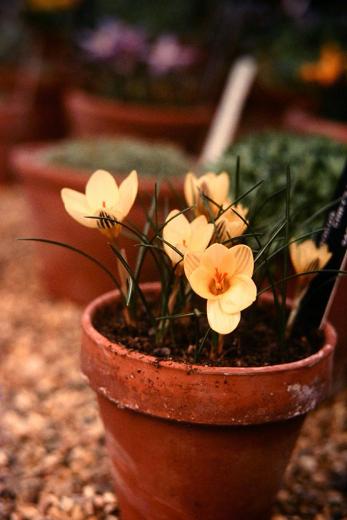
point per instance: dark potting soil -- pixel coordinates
(254, 343)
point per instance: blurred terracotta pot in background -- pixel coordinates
(307, 122)
(30, 109)
(189, 442)
(66, 274)
(90, 115)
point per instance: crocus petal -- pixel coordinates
(213, 257)
(219, 188)
(190, 188)
(324, 255)
(220, 321)
(127, 193)
(191, 262)
(200, 233)
(175, 232)
(242, 258)
(102, 191)
(200, 281)
(293, 250)
(77, 207)
(241, 294)
(176, 227)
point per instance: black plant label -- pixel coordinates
(318, 297)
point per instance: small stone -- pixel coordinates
(88, 491)
(66, 504)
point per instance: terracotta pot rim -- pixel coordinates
(110, 296)
(202, 394)
(304, 122)
(103, 103)
(25, 161)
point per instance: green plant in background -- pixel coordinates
(116, 154)
(315, 164)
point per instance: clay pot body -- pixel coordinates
(65, 274)
(31, 109)
(191, 442)
(15, 119)
(307, 123)
(90, 115)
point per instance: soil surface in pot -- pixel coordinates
(254, 343)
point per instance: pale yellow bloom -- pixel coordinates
(103, 198)
(185, 236)
(307, 256)
(224, 278)
(233, 222)
(215, 187)
(329, 67)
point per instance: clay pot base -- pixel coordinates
(174, 457)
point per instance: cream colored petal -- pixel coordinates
(294, 257)
(219, 188)
(220, 321)
(190, 188)
(213, 257)
(127, 193)
(302, 255)
(177, 228)
(241, 256)
(241, 294)
(324, 255)
(176, 233)
(200, 234)
(102, 191)
(231, 229)
(172, 254)
(76, 206)
(191, 262)
(200, 280)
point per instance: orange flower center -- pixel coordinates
(219, 283)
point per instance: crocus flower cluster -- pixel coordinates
(200, 250)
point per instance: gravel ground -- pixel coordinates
(53, 463)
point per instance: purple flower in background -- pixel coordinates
(116, 42)
(167, 54)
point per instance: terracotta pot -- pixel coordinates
(191, 442)
(65, 274)
(30, 109)
(15, 119)
(306, 123)
(90, 115)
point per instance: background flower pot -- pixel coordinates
(90, 115)
(30, 108)
(66, 274)
(190, 442)
(16, 114)
(308, 123)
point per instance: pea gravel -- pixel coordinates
(53, 463)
